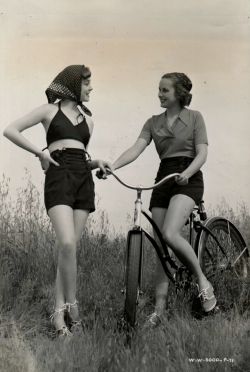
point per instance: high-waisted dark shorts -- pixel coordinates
(71, 183)
(161, 195)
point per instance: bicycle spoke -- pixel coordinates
(240, 255)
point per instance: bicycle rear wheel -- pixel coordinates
(133, 269)
(224, 259)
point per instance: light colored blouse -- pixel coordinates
(187, 131)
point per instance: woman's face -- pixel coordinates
(86, 89)
(167, 93)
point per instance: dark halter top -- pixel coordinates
(62, 128)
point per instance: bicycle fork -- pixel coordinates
(136, 227)
(137, 211)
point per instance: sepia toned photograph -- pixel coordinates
(124, 186)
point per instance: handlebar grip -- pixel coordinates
(99, 174)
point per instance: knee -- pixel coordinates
(67, 248)
(169, 236)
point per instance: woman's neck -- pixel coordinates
(174, 110)
(70, 104)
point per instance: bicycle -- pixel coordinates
(209, 237)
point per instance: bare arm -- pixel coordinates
(91, 128)
(13, 133)
(130, 154)
(197, 163)
(201, 141)
(93, 163)
(199, 160)
(13, 130)
(96, 163)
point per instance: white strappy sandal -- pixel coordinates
(74, 325)
(154, 319)
(63, 331)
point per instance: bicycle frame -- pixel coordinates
(201, 229)
(195, 225)
(137, 227)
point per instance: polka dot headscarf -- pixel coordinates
(67, 85)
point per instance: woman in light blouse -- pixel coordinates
(181, 141)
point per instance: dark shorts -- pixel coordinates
(161, 195)
(71, 183)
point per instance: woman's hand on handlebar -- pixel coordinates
(182, 179)
(104, 167)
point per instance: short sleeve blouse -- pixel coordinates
(181, 139)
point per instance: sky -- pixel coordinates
(129, 46)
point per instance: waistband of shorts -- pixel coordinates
(177, 160)
(71, 152)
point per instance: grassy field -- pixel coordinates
(220, 342)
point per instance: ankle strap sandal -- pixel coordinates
(69, 305)
(74, 325)
(63, 330)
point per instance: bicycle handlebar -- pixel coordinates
(165, 179)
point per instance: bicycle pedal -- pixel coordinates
(216, 309)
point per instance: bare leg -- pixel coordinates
(161, 280)
(63, 223)
(60, 298)
(80, 219)
(68, 225)
(177, 214)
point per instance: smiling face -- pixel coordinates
(167, 93)
(86, 88)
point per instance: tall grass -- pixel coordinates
(28, 268)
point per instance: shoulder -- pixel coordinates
(158, 116)
(199, 120)
(154, 119)
(40, 114)
(43, 109)
(43, 112)
(48, 111)
(47, 108)
(193, 117)
(195, 113)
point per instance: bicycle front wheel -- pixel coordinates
(224, 257)
(133, 270)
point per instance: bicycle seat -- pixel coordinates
(201, 211)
